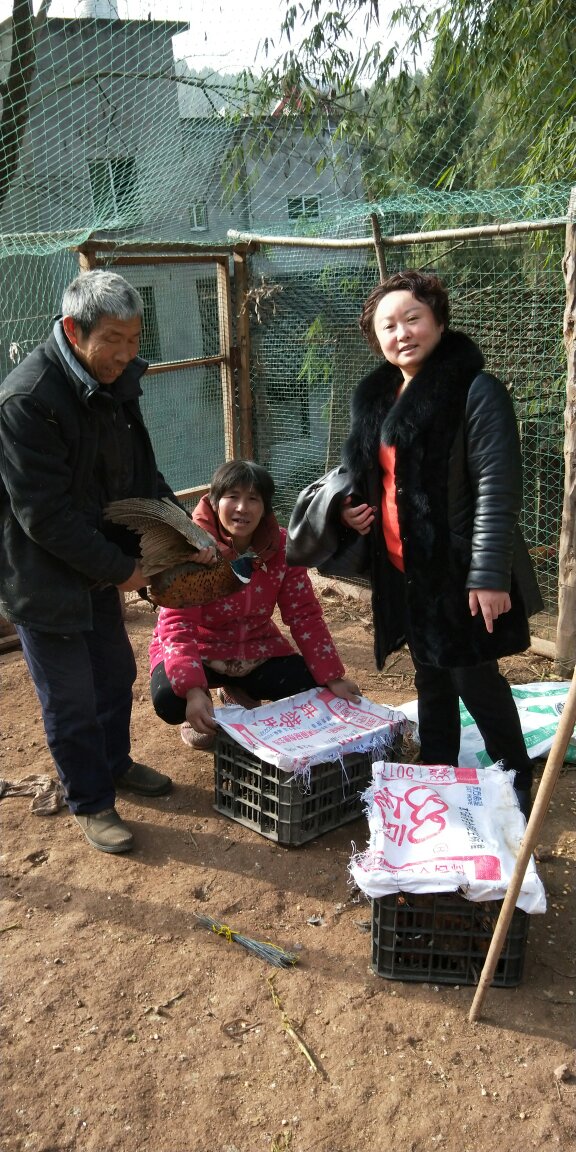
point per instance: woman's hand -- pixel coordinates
(205, 556)
(137, 580)
(345, 689)
(490, 603)
(360, 517)
(200, 711)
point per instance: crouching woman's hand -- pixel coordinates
(345, 689)
(200, 711)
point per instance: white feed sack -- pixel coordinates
(313, 727)
(442, 829)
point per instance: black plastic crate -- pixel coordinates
(270, 801)
(444, 939)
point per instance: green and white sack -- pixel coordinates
(539, 707)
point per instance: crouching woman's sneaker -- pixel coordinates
(198, 740)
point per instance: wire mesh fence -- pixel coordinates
(308, 355)
(113, 128)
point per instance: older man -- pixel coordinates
(72, 438)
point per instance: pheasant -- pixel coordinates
(168, 542)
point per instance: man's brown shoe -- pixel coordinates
(105, 830)
(144, 781)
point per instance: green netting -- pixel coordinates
(183, 410)
(113, 129)
(107, 128)
(507, 293)
(183, 407)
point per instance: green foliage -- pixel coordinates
(318, 361)
(495, 104)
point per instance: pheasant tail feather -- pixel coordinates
(168, 543)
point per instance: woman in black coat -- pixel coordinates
(433, 457)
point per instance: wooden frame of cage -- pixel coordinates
(233, 358)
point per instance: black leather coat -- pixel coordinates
(62, 457)
(459, 494)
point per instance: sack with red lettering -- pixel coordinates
(434, 828)
(313, 727)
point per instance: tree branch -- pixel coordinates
(15, 97)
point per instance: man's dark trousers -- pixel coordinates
(84, 684)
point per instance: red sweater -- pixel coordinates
(240, 626)
(390, 525)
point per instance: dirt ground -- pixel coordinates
(127, 1026)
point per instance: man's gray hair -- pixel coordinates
(99, 293)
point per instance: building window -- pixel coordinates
(307, 207)
(150, 338)
(199, 216)
(114, 188)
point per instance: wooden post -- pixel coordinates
(566, 632)
(529, 841)
(381, 258)
(243, 342)
(9, 637)
(87, 258)
(226, 374)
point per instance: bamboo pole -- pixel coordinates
(226, 374)
(7, 643)
(177, 365)
(86, 259)
(154, 247)
(243, 344)
(377, 238)
(566, 633)
(542, 647)
(154, 259)
(478, 230)
(547, 784)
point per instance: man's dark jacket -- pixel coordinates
(459, 495)
(67, 447)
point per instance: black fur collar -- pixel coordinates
(440, 387)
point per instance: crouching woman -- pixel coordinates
(233, 644)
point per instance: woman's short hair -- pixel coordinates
(424, 286)
(94, 295)
(243, 474)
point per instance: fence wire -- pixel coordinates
(111, 127)
(308, 355)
